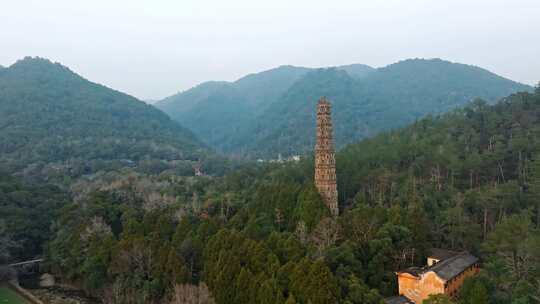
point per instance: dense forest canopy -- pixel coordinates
(272, 112)
(466, 180)
(27, 213)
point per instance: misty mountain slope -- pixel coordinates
(261, 89)
(437, 84)
(386, 98)
(357, 71)
(214, 110)
(257, 89)
(48, 114)
(218, 115)
(185, 101)
(282, 128)
(366, 101)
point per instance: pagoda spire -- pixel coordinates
(325, 162)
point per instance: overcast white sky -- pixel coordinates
(152, 49)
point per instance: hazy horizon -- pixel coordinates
(154, 49)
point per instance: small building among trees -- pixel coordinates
(444, 274)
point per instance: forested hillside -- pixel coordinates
(27, 212)
(50, 115)
(265, 117)
(467, 180)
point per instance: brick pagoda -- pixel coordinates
(325, 162)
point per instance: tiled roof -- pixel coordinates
(451, 267)
(447, 268)
(398, 300)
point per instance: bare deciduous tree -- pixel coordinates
(191, 294)
(301, 232)
(325, 234)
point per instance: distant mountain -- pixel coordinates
(214, 110)
(50, 114)
(261, 89)
(288, 126)
(356, 71)
(185, 101)
(264, 116)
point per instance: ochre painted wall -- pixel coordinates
(419, 288)
(408, 285)
(430, 284)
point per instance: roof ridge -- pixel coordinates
(446, 261)
(452, 266)
(418, 271)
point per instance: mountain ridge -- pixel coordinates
(379, 99)
(51, 114)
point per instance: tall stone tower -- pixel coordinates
(325, 162)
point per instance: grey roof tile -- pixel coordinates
(451, 267)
